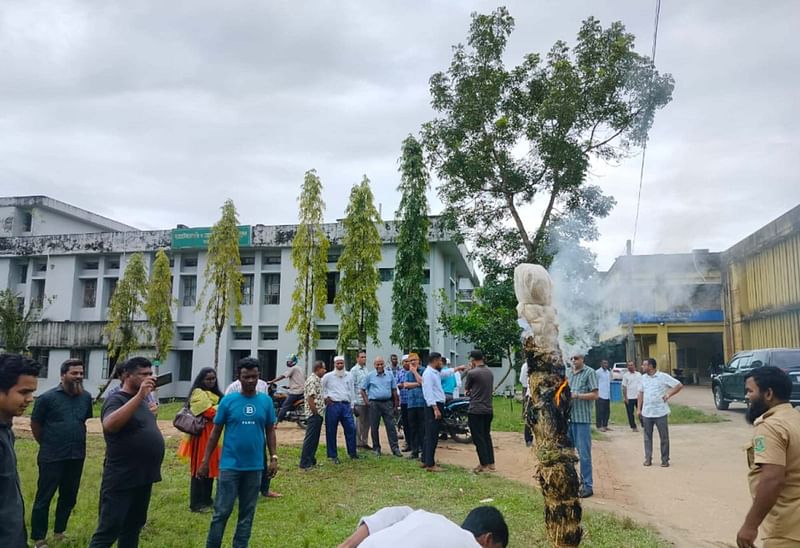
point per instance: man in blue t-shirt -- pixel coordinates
(248, 418)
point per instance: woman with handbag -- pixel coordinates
(204, 398)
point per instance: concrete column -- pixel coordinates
(662, 349)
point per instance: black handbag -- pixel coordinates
(187, 423)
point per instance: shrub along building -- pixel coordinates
(67, 261)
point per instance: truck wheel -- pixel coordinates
(719, 399)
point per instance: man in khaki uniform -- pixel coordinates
(773, 457)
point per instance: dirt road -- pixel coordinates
(699, 501)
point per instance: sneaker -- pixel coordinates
(647, 463)
(664, 465)
(585, 493)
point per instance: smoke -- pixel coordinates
(594, 306)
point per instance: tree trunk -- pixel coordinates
(547, 415)
(217, 335)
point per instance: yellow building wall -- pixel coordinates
(762, 298)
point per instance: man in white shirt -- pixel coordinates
(359, 373)
(602, 405)
(297, 383)
(434, 405)
(657, 389)
(483, 527)
(631, 385)
(338, 390)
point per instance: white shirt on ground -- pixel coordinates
(654, 387)
(631, 384)
(604, 383)
(405, 527)
(236, 386)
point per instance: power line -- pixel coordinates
(644, 146)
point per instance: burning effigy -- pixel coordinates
(547, 409)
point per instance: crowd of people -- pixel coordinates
(236, 443)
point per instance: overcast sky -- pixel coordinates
(153, 113)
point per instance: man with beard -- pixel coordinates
(58, 424)
(18, 381)
(657, 389)
(773, 457)
(339, 393)
(134, 452)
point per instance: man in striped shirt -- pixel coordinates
(584, 389)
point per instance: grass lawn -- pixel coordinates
(508, 415)
(321, 508)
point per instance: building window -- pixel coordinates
(328, 332)
(386, 274)
(37, 294)
(269, 333)
(186, 333)
(89, 292)
(333, 256)
(112, 263)
(426, 276)
(42, 357)
(111, 287)
(272, 289)
(272, 258)
(23, 273)
(244, 333)
(91, 265)
(109, 363)
(27, 221)
(247, 289)
(185, 365)
(40, 268)
(189, 261)
(247, 260)
(188, 290)
(333, 286)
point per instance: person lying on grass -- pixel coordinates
(483, 527)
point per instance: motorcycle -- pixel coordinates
(455, 423)
(296, 413)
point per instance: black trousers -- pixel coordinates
(415, 434)
(630, 407)
(382, 410)
(527, 434)
(308, 455)
(481, 428)
(63, 476)
(123, 513)
(431, 436)
(200, 493)
(602, 412)
(401, 425)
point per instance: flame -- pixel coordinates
(560, 389)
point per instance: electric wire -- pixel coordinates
(644, 145)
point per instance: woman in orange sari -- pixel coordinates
(203, 401)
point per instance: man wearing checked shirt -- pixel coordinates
(584, 390)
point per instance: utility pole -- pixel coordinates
(630, 346)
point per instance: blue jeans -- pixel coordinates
(580, 434)
(335, 413)
(230, 485)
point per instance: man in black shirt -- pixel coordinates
(18, 382)
(58, 424)
(134, 451)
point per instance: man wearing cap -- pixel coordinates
(297, 382)
(338, 390)
(400, 378)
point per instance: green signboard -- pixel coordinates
(187, 238)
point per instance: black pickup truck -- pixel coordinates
(728, 385)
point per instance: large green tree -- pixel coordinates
(158, 306)
(508, 138)
(356, 301)
(221, 297)
(310, 259)
(409, 302)
(123, 329)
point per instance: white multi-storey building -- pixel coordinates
(67, 261)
